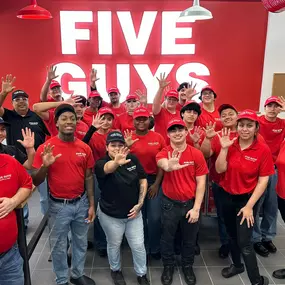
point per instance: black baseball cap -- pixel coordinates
(2, 122)
(226, 106)
(191, 105)
(115, 136)
(19, 93)
(62, 109)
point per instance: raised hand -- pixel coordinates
(47, 155)
(173, 161)
(93, 75)
(162, 80)
(210, 130)
(128, 138)
(121, 156)
(51, 72)
(190, 91)
(28, 138)
(142, 97)
(225, 140)
(98, 121)
(7, 83)
(282, 101)
(72, 99)
(196, 136)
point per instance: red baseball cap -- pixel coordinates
(172, 93)
(226, 106)
(132, 97)
(113, 90)
(141, 112)
(175, 122)
(208, 87)
(54, 83)
(94, 94)
(106, 110)
(272, 99)
(248, 114)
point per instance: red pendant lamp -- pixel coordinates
(34, 12)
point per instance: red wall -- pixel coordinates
(231, 46)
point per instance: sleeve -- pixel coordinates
(89, 158)
(99, 168)
(20, 156)
(89, 134)
(215, 145)
(162, 142)
(38, 159)
(7, 115)
(266, 167)
(140, 170)
(201, 165)
(25, 180)
(162, 154)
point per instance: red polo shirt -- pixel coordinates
(161, 121)
(206, 117)
(273, 134)
(146, 149)
(13, 176)
(67, 174)
(245, 167)
(181, 184)
(280, 163)
(81, 130)
(124, 122)
(118, 111)
(98, 145)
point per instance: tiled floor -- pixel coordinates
(207, 266)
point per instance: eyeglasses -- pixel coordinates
(18, 99)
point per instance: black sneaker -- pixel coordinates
(102, 252)
(167, 275)
(118, 277)
(269, 245)
(279, 274)
(197, 249)
(83, 280)
(189, 275)
(156, 256)
(142, 280)
(264, 281)
(231, 271)
(260, 249)
(224, 251)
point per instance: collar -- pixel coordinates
(254, 145)
(29, 114)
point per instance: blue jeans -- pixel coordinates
(151, 212)
(11, 268)
(115, 230)
(65, 218)
(99, 235)
(217, 193)
(266, 229)
(42, 188)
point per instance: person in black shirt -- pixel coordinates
(123, 185)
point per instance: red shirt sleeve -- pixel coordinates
(90, 159)
(215, 145)
(38, 158)
(267, 166)
(162, 154)
(162, 142)
(201, 165)
(25, 180)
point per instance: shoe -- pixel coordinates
(167, 275)
(264, 281)
(224, 251)
(90, 245)
(231, 271)
(142, 280)
(102, 252)
(189, 275)
(269, 245)
(197, 249)
(279, 274)
(69, 259)
(156, 256)
(118, 277)
(260, 249)
(83, 280)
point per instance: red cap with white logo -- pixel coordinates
(172, 93)
(132, 97)
(248, 114)
(273, 99)
(208, 87)
(94, 94)
(54, 83)
(106, 110)
(113, 90)
(175, 122)
(141, 112)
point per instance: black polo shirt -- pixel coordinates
(17, 123)
(13, 151)
(120, 189)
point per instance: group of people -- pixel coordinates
(141, 174)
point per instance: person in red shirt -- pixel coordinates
(145, 145)
(183, 192)
(280, 189)
(209, 112)
(117, 107)
(246, 164)
(15, 188)
(70, 208)
(190, 113)
(272, 129)
(162, 115)
(125, 122)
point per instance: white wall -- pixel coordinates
(274, 60)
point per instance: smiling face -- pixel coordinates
(2, 133)
(107, 121)
(141, 123)
(95, 102)
(177, 134)
(66, 123)
(113, 148)
(190, 116)
(229, 118)
(132, 104)
(171, 103)
(56, 93)
(208, 96)
(247, 129)
(114, 97)
(79, 110)
(21, 104)
(272, 110)
(182, 94)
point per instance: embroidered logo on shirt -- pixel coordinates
(277, 130)
(81, 154)
(250, 158)
(153, 143)
(5, 177)
(34, 123)
(131, 168)
(189, 162)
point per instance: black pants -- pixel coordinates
(240, 235)
(174, 213)
(281, 207)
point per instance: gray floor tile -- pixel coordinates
(155, 274)
(275, 259)
(218, 279)
(271, 269)
(43, 277)
(33, 261)
(211, 258)
(263, 271)
(100, 262)
(279, 242)
(101, 276)
(43, 263)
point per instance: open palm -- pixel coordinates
(47, 155)
(7, 83)
(28, 138)
(225, 140)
